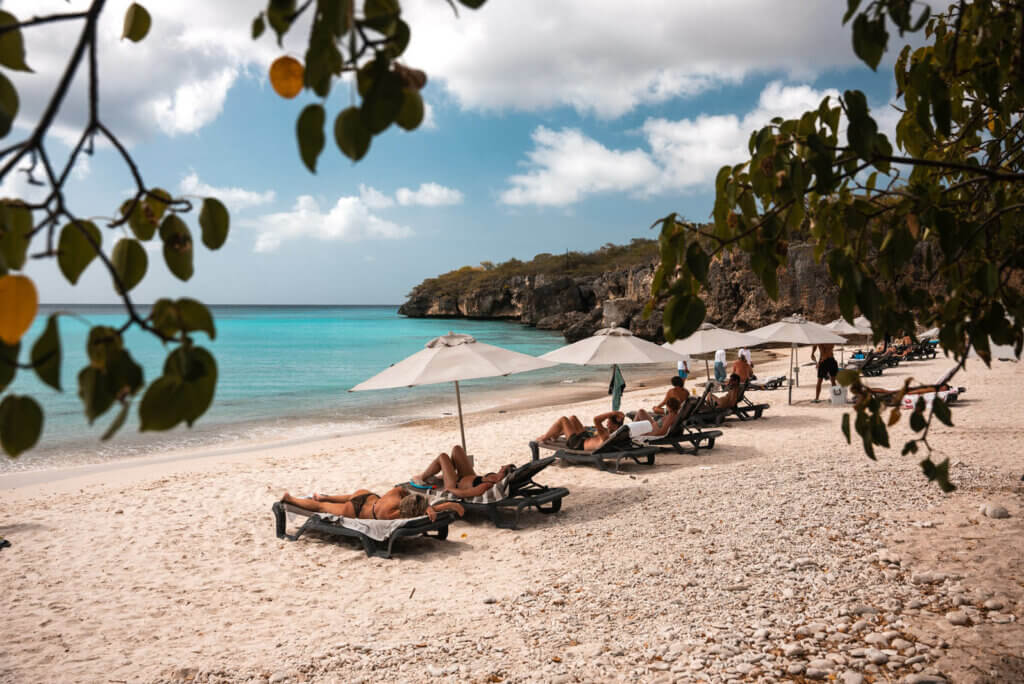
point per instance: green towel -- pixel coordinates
(616, 387)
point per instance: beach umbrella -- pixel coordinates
(863, 324)
(841, 327)
(451, 358)
(796, 330)
(710, 338)
(611, 346)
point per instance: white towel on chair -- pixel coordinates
(639, 428)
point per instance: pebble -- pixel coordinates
(490, 601)
(993, 510)
(928, 578)
(814, 673)
(876, 657)
(876, 639)
(901, 644)
(793, 650)
(795, 669)
(993, 604)
(852, 677)
(921, 678)
(958, 618)
(821, 664)
(862, 609)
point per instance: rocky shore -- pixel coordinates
(579, 306)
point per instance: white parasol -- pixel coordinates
(796, 330)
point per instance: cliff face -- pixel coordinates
(579, 306)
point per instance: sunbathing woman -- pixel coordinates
(579, 437)
(456, 475)
(396, 503)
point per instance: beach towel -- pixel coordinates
(639, 428)
(616, 387)
(378, 530)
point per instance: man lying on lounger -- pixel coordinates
(396, 503)
(730, 399)
(456, 476)
(579, 437)
(677, 391)
(660, 425)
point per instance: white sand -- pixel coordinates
(698, 569)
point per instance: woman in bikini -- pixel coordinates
(396, 503)
(455, 474)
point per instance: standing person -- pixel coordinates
(745, 354)
(720, 365)
(683, 367)
(827, 366)
(741, 368)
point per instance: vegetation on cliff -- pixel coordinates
(573, 264)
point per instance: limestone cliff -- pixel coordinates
(579, 305)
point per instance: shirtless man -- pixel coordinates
(827, 366)
(731, 398)
(677, 392)
(579, 437)
(673, 406)
(742, 368)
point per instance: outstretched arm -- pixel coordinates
(470, 492)
(600, 419)
(432, 511)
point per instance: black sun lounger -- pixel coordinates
(376, 542)
(682, 430)
(516, 493)
(744, 410)
(615, 448)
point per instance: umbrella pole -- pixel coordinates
(462, 429)
(791, 373)
(707, 372)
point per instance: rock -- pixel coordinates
(490, 600)
(993, 510)
(928, 578)
(814, 673)
(793, 650)
(862, 609)
(921, 678)
(993, 604)
(876, 639)
(958, 618)
(860, 626)
(812, 628)
(821, 664)
(280, 677)
(852, 677)
(1000, 618)
(693, 530)
(876, 657)
(795, 669)
(901, 644)
(737, 587)
(801, 563)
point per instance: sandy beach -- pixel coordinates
(782, 554)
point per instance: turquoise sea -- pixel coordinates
(284, 372)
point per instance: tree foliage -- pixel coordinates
(361, 39)
(947, 190)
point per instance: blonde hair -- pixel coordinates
(412, 506)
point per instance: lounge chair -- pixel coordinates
(682, 430)
(871, 365)
(617, 447)
(515, 493)
(377, 536)
(744, 409)
(774, 382)
(942, 389)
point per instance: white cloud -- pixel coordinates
(349, 220)
(537, 54)
(429, 121)
(175, 81)
(428, 195)
(235, 199)
(374, 198)
(565, 166)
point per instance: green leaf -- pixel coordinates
(309, 129)
(683, 315)
(46, 354)
(258, 26)
(95, 394)
(352, 137)
(869, 39)
(142, 226)
(177, 246)
(698, 262)
(136, 23)
(847, 377)
(160, 408)
(9, 104)
(8, 363)
(399, 40)
(846, 427)
(214, 222)
(410, 116)
(117, 423)
(103, 346)
(383, 102)
(941, 411)
(193, 315)
(15, 230)
(75, 251)
(851, 7)
(21, 422)
(130, 262)
(12, 47)
(198, 370)
(155, 203)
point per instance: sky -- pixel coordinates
(550, 126)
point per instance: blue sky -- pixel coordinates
(551, 126)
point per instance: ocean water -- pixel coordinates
(283, 374)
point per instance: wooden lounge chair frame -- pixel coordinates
(613, 449)
(522, 493)
(316, 522)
